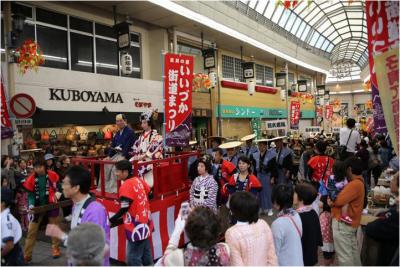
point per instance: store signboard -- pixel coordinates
(228, 111)
(209, 58)
(251, 112)
(178, 78)
(302, 85)
(23, 122)
(276, 125)
(248, 70)
(256, 127)
(312, 129)
(62, 90)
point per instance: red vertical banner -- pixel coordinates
(383, 47)
(5, 117)
(294, 114)
(178, 78)
(328, 112)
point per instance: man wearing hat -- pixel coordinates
(231, 151)
(264, 161)
(11, 233)
(42, 187)
(216, 141)
(248, 149)
(123, 139)
(284, 159)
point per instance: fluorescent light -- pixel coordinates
(185, 12)
(361, 91)
(54, 58)
(84, 63)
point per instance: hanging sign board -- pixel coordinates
(248, 70)
(276, 125)
(123, 35)
(209, 58)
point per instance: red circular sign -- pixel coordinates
(23, 106)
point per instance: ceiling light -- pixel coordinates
(185, 12)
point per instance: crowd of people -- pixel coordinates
(317, 188)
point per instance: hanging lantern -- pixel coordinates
(126, 64)
(251, 87)
(213, 78)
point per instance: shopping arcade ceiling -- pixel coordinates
(333, 29)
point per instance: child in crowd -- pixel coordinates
(335, 185)
(325, 219)
(311, 239)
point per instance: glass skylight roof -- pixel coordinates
(332, 28)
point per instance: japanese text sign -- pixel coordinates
(5, 117)
(178, 71)
(294, 114)
(383, 37)
(276, 125)
(328, 112)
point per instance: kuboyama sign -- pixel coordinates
(63, 90)
(59, 94)
(383, 37)
(178, 73)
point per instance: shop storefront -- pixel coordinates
(238, 108)
(62, 97)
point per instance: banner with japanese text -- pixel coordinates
(178, 77)
(383, 36)
(328, 112)
(6, 130)
(375, 39)
(294, 114)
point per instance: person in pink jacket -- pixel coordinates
(250, 239)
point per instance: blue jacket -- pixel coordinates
(125, 140)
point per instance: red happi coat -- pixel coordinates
(53, 177)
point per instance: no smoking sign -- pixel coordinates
(23, 106)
